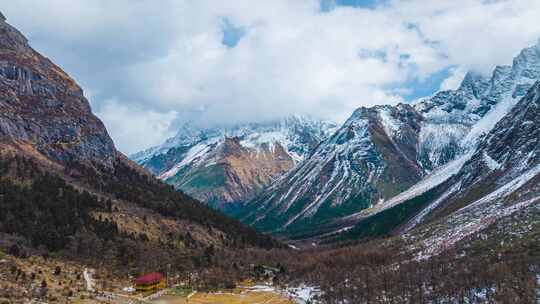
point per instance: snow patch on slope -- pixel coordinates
(417, 219)
(256, 141)
(196, 153)
(490, 162)
(432, 180)
(303, 294)
(478, 215)
(474, 224)
(87, 274)
(488, 122)
(390, 124)
(507, 189)
(435, 138)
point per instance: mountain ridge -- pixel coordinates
(225, 166)
(447, 126)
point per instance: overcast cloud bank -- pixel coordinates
(148, 66)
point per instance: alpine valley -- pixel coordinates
(66, 191)
(308, 179)
(433, 201)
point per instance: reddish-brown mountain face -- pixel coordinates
(229, 165)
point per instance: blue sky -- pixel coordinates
(231, 33)
(425, 87)
(328, 5)
(148, 68)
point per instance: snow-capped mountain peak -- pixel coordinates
(230, 163)
(348, 172)
(454, 121)
(382, 151)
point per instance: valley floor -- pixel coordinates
(38, 280)
(169, 296)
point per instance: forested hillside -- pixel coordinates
(66, 189)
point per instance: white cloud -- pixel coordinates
(292, 58)
(476, 34)
(144, 128)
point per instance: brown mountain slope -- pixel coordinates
(230, 173)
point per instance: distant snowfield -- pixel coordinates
(294, 134)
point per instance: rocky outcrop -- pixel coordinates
(44, 108)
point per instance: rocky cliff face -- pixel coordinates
(510, 149)
(229, 165)
(42, 108)
(455, 120)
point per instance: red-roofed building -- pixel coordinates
(150, 281)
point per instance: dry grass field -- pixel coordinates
(247, 297)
